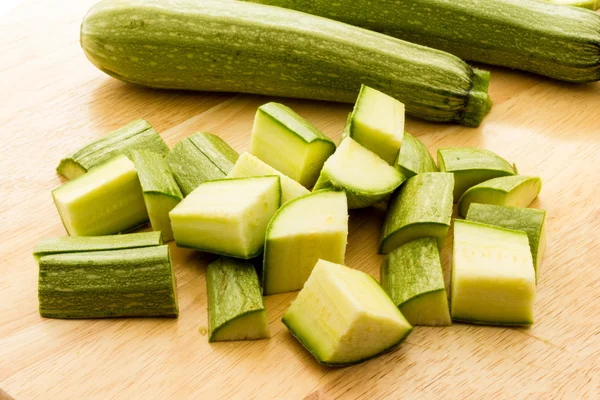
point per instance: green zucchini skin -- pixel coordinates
(222, 46)
(552, 40)
(118, 283)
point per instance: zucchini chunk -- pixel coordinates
(414, 158)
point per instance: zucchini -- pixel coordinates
(414, 158)
(413, 278)
(493, 280)
(216, 150)
(138, 134)
(161, 193)
(303, 231)
(118, 283)
(342, 316)
(248, 166)
(213, 45)
(235, 305)
(421, 208)
(589, 4)
(104, 201)
(377, 123)
(551, 40)
(80, 244)
(277, 127)
(514, 190)
(528, 220)
(366, 178)
(227, 217)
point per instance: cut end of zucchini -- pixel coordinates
(479, 102)
(251, 326)
(493, 279)
(428, 309)
(342, 316)
(70, 169)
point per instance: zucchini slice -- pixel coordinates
(80, 244)
(289, 143)
(106, 200)
(138, 134)
(248, 166)
(303, 231)
(365, 177)
(216, 150)
(472, 166)
(493, 280)
(528, 220)
(413, 278)
(161, 193)
(227, 217)
(342, 316)
(235, 305)
(377, 123)
(421, 208)
(514, 190)
(117, 283)
(414, 158)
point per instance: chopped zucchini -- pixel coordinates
(421, 208)
(365, 177)
(471, 166)
(493, 280)
(235, 305)
(248, 166)
(106, 200)
(138, 134)
(377, 123)
(342, 316)
(216, 150)
(413, 278)
(414, 158)
(514, 190)
(227, 217)
(289, 143)
(161, 193)
(117, 283)
(303, 231)
(528, 220)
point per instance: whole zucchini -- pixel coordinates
(548, 39)
(228, 46)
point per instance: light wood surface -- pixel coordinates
(53, 101)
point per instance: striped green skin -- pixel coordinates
(548, 39)
(118, 283)
(138, 134)
(80, 244)
(414, 158)
(216, 45)
(216, 149)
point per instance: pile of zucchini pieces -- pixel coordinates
(255, 211)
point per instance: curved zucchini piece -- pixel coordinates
(534, 36)
(227, 217)
(413, 278)
(421, 208)
(216, 150)
(82, 244)
(493, 280)
(515, 190)
(235, 305)
(106, 200)
(414, 158)
(161, 193)
(289, 143)
(214, 46)
(342, 316)
(138, 134)
(528, 220)
(117, 283)
(248, 166)
(472, 166)
(377, 123)
(366, 178)
(303, 231)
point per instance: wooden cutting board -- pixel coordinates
(52, 101)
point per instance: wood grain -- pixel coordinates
(54, 101)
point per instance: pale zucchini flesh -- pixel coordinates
(106, 200)
(342, 316)
(414, 158)
(138, 134)
(212, 46)
(303, 231)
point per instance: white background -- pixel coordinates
(7, 5)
